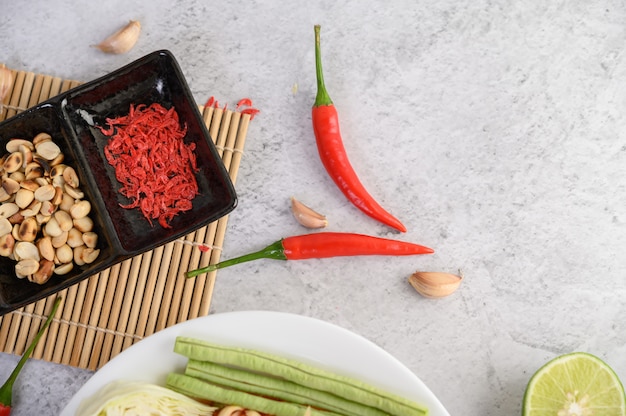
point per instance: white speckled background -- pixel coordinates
(494, 130)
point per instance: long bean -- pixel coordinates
(203, 390)
(268, 386)
(300, 373)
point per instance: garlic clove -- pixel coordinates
(435, 284)
(306, 216)
(6, 82)
(123, 40)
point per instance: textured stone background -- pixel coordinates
(495, 130)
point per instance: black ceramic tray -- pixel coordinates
(72, 119)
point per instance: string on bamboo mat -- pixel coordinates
(108, 312)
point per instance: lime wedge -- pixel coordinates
(576, 384)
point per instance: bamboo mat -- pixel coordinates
(108, 312)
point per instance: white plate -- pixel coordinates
(307, 339)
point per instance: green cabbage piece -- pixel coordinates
(135, 398)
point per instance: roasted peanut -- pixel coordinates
(46, 249)
(26, 267)
(45, 193)
(44, 273)
(24, 197)
(10, 185)
(80, 209)
(75, 238)
(84, 224)
(63, 268)
(44, 219)
(90, 239)
(26, 250)
(64, 219)
(60, 239)
(5, 226)
(28, 229)
(47, 149)
(8, 209)
(7, 242)
(64, 254)
(13, 145)
(13, 162)
(70, 177)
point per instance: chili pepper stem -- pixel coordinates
(333, 154)
(322, 97)
(6, 391)
(273, 251)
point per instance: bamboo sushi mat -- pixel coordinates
(108, 312)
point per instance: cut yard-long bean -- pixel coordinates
(200, 389)
(308, 376)
(268, 386)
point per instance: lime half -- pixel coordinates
(576, 384)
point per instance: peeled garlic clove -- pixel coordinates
(6, 82)
(435, 284)
(123, 40)
(306, 216)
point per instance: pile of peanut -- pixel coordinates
(44, 219)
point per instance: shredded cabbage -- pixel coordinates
(137, 398)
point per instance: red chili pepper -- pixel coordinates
(333, 153)
(154, 165)
(6, 391)
(322, 245)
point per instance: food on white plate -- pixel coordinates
(275, 385)
(223, 380)
(135, 398)
(139, 398)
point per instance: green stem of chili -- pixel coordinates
(322, 97)
(274, 251)
(6, 391)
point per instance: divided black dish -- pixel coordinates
(72, 119)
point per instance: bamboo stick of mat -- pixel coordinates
(105, 314)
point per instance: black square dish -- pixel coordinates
(73, 120)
